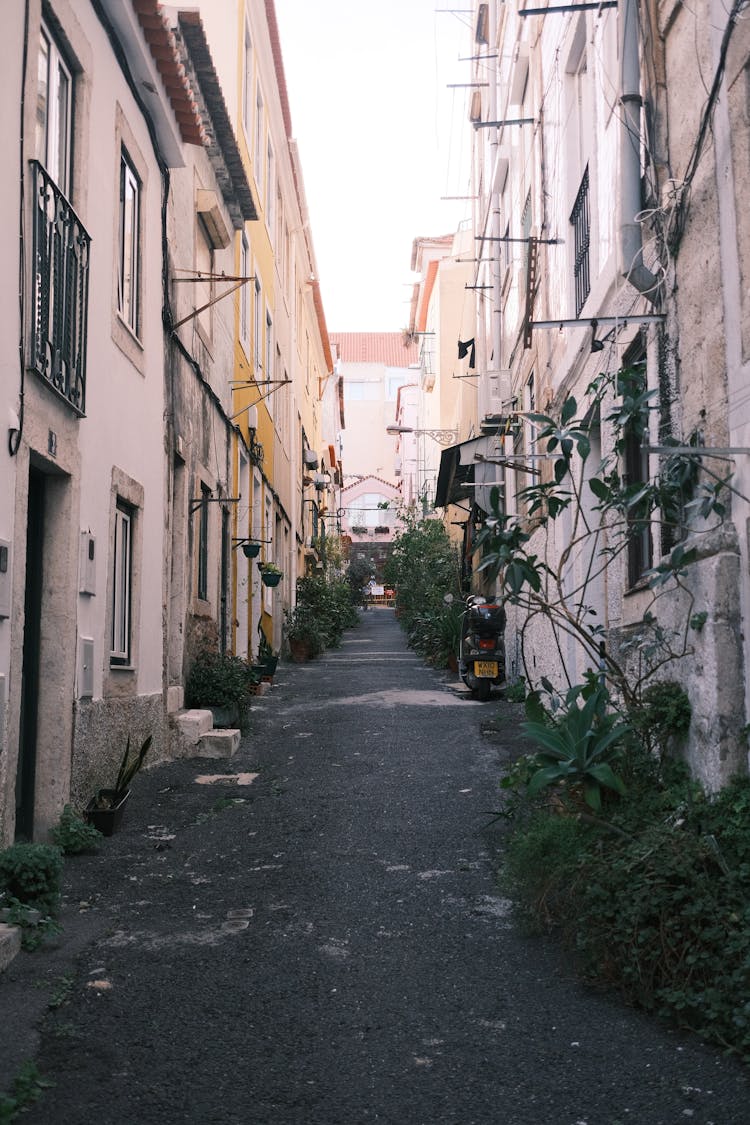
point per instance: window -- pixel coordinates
(635, 469)
(258, 329)
(361, 391)
(580, 220)
(122, 561)
(258, 157)
(53, 112)
(204, 291)
(269, 370)
(128, 277)
(270, 188)
(247, 82)
(245, 292)
(203, 544)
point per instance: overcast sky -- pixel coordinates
(379, 136)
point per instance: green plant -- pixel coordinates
(73, 835)
(324, 609)
(579, 744)
(218, 680)
(663, 715)
(130, 766)
(423, 568)
(28, 1087)
(516, 692)
(269, 568)
(606, 514)
(30, 873)
(655, 900)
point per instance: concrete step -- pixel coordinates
(192, 725)
(10, 944)
(218, 744)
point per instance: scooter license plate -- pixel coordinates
(485, 669)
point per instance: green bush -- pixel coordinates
(30, 873)
(423, 567)
(324, 609)
(218, 680)
(655, 899)
(73, 835)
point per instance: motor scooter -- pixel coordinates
(481, 654)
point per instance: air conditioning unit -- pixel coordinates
(495, 393)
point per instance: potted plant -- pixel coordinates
(303, 633)
(250, 549)
(105, 811)
(270, 574)
(267, 659)
(221, 683)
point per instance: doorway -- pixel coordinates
(27, 743)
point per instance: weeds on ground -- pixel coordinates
(652, 892)
(28, 1087)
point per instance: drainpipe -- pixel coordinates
(497, 296)
(630, 247)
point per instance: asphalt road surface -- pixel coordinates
(312, 934)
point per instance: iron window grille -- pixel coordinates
(580, 218)
(60, 284)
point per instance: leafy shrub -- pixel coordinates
(664, 714)
(325, 608)
(655, 899)
(579, 743)
(31, 874)
(218, 680)
(423, 567)
(73, 835)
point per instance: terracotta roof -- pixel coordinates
(369, 477)
(163, 48)
(387, 348)
(220, 139)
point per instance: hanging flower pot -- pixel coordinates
(251, 550)
(270, 574)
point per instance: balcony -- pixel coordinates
(60, 286)
(580, 219)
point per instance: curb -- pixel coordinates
(10, 944)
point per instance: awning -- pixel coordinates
(464, 474)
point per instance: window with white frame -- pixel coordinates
(122, 570)
(128, 266)
(247, 82)
(258, 157)
(270, 188)
(268, 365)
(245, 292)
(258, 329)
(202, 587)
(54, 104)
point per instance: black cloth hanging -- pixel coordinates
(464, 349)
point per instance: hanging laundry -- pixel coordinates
(464, 349)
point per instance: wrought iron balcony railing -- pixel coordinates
(580, 218)
(60, 281)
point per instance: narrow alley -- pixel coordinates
(312, 934)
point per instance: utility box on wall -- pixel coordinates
(85, 667)
(4, 578)
(87, 564)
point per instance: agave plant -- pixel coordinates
(579, 745)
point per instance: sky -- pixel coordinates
(380, 138)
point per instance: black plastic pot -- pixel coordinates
(106, 818)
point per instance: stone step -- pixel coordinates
(218, 744)
(10, 944)
(192, 725)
